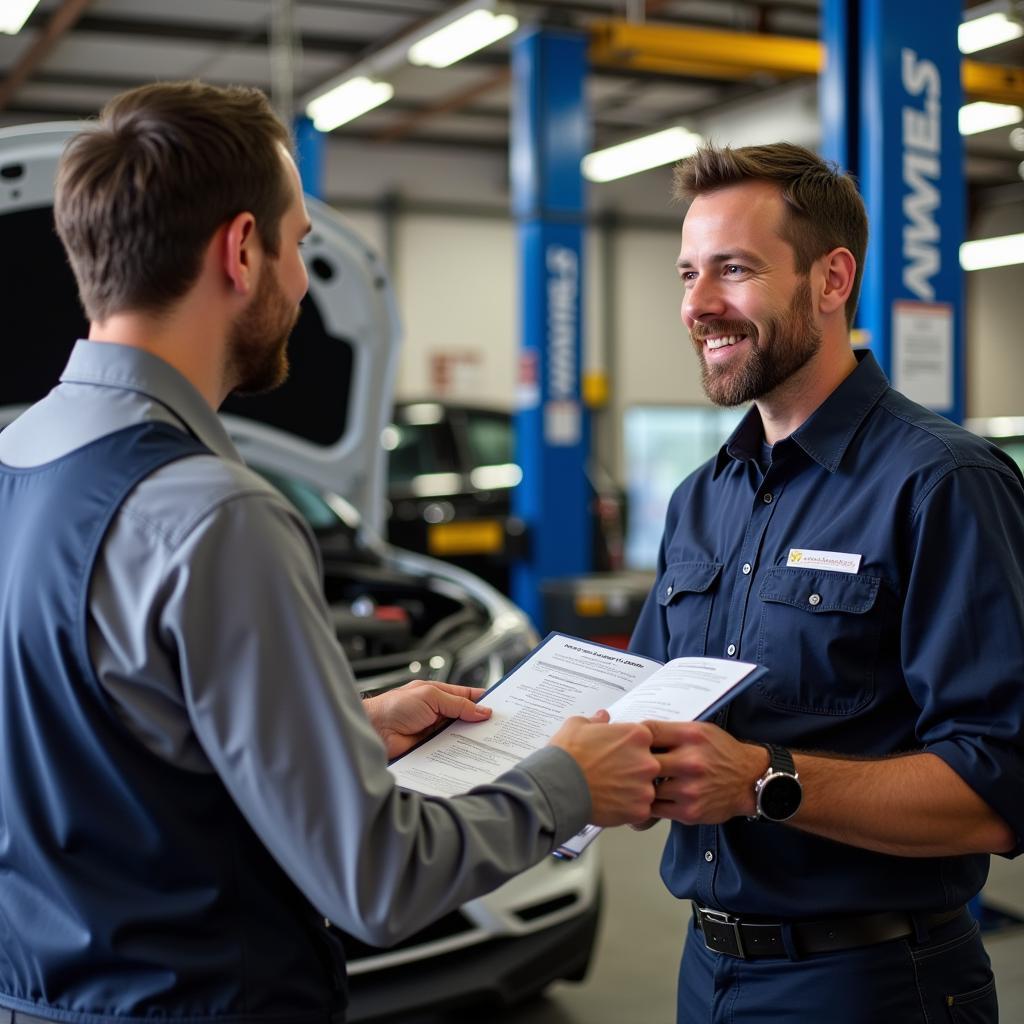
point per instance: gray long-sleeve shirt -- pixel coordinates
(209, 630)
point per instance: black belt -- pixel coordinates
(726, 933)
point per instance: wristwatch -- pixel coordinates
(778, 792)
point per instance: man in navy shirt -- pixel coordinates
(831, 825)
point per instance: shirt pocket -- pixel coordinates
(819, 637)
(686, 592)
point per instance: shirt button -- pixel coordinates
(709, 856)
(767, 499)
(814, 599)
(746, 568)
(730, 650)
(668, 590)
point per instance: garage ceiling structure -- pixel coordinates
(73, 55)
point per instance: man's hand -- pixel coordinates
(707, 776)
(900, 806)
(618, 765)
(404, 716)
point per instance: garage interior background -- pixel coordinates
(424, 179)
(425, 176)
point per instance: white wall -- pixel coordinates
(656, 363)
(456, 287)
(368, 170)
(995, 324)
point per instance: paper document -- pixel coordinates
(566, 676)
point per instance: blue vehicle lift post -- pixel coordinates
(550, 132)
(310, 152)
(889, 98)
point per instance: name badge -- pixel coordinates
(838, 561)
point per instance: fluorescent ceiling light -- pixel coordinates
(457, 39)
(14, 14)
(1003, 251)
(982, 116)
(640, 154)
(346, 102)
(988, 30)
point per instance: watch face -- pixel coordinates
(780, 797)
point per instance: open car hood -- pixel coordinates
(322, 426)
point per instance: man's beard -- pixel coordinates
(258, 346)
(787, 344)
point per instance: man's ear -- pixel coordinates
(839, 268)
(240, 252)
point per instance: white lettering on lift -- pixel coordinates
(922, 149)
(563, 291)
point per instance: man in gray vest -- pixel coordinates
(189, 782)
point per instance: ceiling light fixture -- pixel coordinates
(14, 14)
(989, 25)
(346, 101)
(462, 31)
(641, 154)
(362, 87)
(982, 116)
(1004, 251)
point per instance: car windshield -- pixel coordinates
(491, 438)
(418, 449)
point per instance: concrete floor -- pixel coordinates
(632, 978)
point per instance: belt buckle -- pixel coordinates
(721, 932)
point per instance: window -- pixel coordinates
(664, 444)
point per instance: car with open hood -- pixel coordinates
(398, 615)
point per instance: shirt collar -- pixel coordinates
(826, 433)
(106, 364)
(744, 443)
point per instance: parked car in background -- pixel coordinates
(398, 615)
(451, 472)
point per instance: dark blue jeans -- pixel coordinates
(946, 979)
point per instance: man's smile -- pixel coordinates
(721, 340)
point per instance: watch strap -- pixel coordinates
(779, 759)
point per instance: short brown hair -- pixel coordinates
(140, 193)
(824, 210)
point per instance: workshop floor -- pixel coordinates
(632, 979)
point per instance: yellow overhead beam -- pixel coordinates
(739, 56)
(997, 83)
(711, 53)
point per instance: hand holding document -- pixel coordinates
(566, 676)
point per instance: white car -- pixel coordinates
(398, 615)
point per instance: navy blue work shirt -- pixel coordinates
(919, 647)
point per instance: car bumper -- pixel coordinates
(500, 972)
